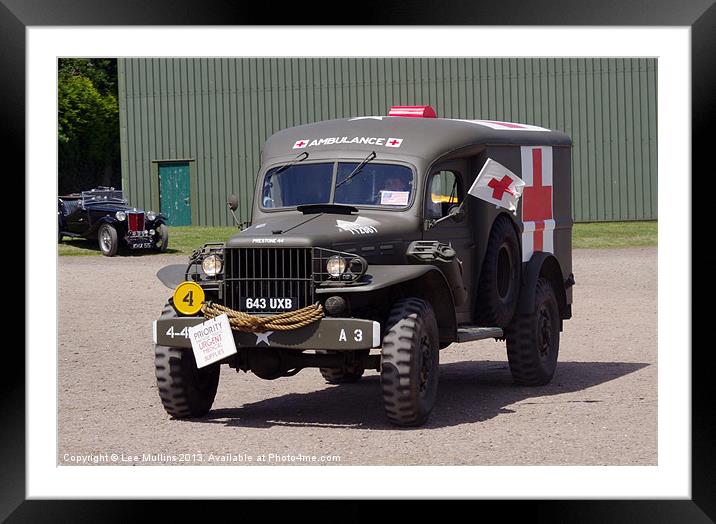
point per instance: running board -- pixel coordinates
(470, 333)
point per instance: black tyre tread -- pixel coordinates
(490, 311)
(176, 374)
(408, 317)
(525, 364)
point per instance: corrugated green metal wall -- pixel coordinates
(218, 112)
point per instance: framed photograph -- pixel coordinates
(620, 428)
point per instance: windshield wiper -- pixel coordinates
(292, 163)
(357, 169)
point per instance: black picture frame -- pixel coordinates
(700, 15)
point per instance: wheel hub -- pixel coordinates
(545, 332)
(504, 275)
(426, 363)
(106, 241)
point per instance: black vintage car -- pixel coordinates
(104, 214)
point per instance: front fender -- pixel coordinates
(421, 281)
(105, 220)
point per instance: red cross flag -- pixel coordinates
(498, 185)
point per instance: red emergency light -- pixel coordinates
(413, 111)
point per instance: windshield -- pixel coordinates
(96, 196)
(385, 185)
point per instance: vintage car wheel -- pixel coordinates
(162, 241)
(533, 339)
(410, 362)
(341, 376)
(108, 240)
(499, 286)
(185, 391)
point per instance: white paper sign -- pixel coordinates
(212, 340)
(394, 198)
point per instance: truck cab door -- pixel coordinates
(445, 189)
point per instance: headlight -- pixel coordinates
(212, 265)
(151, 216)
(121, 215)
(336, 266)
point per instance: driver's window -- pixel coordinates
(445, 192)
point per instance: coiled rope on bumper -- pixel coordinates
(246, 323)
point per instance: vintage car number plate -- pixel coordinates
(269, 304)
(141, 245)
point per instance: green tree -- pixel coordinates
(88, 124)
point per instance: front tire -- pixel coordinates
(410, 362)
(185, 391)
(533, 339)
(162, 238)
(108, 240)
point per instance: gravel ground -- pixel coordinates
(600, 409)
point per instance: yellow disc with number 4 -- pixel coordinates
(188, 298)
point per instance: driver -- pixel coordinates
(395, 184)
(392, 183)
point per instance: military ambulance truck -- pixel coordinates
(366, 252)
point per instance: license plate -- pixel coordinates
(141, 245)
(269, 304)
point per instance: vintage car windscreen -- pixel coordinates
(94, 197)
(386, 185)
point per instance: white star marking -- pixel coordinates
(263, 337)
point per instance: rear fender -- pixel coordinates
(542, 265)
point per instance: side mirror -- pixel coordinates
(233, 202)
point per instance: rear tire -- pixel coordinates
(410, 362)
(533, 339)
(343, 375)
(108, 240)
(499, 286)
(185, 391)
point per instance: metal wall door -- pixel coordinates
(175, 193)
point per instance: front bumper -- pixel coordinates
(335, 334)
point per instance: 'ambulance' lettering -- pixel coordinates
(337, 140)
